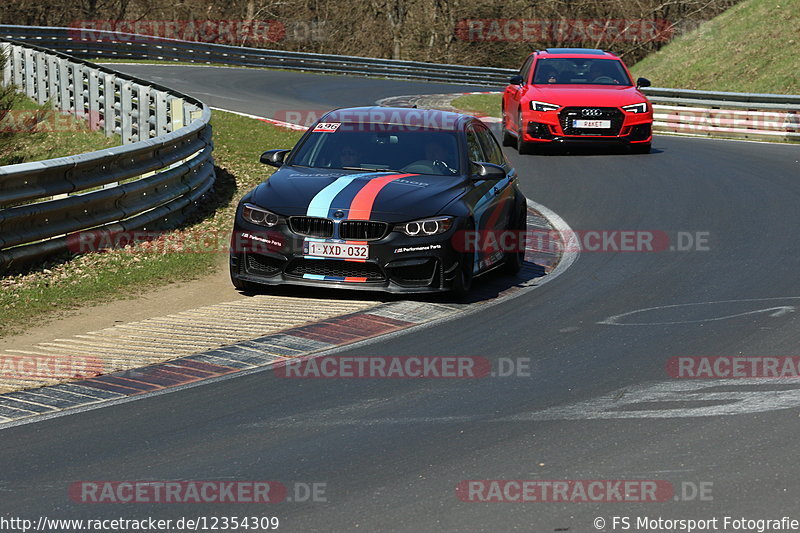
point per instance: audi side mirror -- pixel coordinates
(642, 82)
(516, 79)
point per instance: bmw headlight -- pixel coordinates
(257, 215)
(543, 106)
(636, 108)
(425, 227)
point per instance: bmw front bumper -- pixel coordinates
(396, 263)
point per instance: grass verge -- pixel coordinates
(751, 47)
(56, 288)
(35, 132)
(480, 104)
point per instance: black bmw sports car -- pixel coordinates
(380, 198)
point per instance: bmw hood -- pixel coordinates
(586, 95)
(387, 196)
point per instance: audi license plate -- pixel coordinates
(337, 250)
(599, 124)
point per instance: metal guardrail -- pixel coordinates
(734, 123)
(163, 167)
(115, 45)
(767, 117)
(677, 110)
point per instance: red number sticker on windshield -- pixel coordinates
(327, 127)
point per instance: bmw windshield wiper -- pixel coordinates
(371, 169)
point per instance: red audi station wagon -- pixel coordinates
(576, 95)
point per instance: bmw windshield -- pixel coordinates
(377, 147)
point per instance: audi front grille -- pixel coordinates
(612, 114)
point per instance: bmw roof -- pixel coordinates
(402, 116)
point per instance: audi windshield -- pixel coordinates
(572, 71)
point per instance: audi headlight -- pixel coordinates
(257, 215)
(636, 108)
(543, 106)
(426, 227)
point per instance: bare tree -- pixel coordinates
(408, 29)
(395, 12)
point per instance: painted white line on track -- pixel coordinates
(264, 119)
(774, 312)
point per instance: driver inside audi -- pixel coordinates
(600, 73)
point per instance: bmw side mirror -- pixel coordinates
(643, 82)
(487, 171)
(274, 158)
(516, 79)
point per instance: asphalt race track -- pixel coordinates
(598, 403)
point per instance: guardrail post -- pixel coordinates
(126, 112)
(78, 97)
(176, 113)
(791, 122)
(161, 113)
(41, 78)
(187, 113)
(53, 93)
(30, 79)
(16, 61)
(94, 99)
(64, 96)
(7, 73)
(142, 122)
(109, 113)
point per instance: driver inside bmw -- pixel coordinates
(349, 156)
(439, 157)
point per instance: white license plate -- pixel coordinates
(599, 124)
(337, 250)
